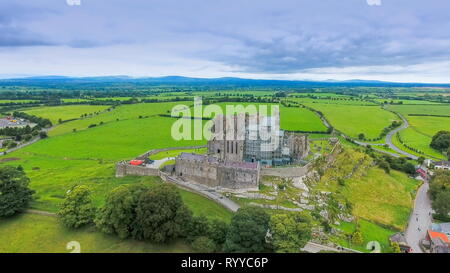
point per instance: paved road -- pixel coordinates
(420, 220)
(34, 140)
(392, 133)
(203, 190)
(315, 248)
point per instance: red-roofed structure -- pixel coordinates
(434, 234)
(136, 162)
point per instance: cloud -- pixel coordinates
(374, 2)
(289, 38)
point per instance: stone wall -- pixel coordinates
(123, 169)
(156, 151)
(237, 178)
(217, 174)
(199, 171)
(286, 172)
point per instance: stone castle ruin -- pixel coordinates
(240, 148)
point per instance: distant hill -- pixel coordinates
(45, 81)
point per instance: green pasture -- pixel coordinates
(123, 112)
(353, 120)
(291, 118)
(67, 112)
(423, 128)
(29, 233)
(432, 109)
(175, 153)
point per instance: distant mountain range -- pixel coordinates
(185, 81)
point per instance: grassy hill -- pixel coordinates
(382, 198)
(29, 233)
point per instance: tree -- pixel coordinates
(357, 238)
(43, 134)
(290, 232)
(15, 195)
(396, 248)
(441, 203)
(118, 215)
(448, 153)
(198, 226)
(361, 136)
(77, 209)
(384, 165)
(161, 215)
(441, 141)
(247, 231)
(409, 168)
(439, 182)
(218, 231)
(420, 160)
(204, 244)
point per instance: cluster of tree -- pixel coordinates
(15, 195)
(41, 122)
(387, 162)
(440, 193)
(441, 142)
(158, 214)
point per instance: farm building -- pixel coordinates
(442, 165)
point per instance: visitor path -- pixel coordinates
(420, 219)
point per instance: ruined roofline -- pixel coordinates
(214, 160)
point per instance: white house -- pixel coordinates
(442, 165)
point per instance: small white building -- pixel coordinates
(442, 165)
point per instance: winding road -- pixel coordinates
(392, 133)
(420, 219)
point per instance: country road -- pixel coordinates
(392, 133)
(36, 139)
(420, 220)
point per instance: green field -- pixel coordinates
(175, 153)
(370, 231)
(291, 118)
(423, 128)
(79, 153)
(29, 233)
(354, 119)
(124, 112)
(54, 113)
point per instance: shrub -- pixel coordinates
(77, 209)
(204, 244)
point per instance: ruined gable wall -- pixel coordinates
(198, 171)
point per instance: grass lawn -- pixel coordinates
(28, 233)
(67, 112)
(370, 231)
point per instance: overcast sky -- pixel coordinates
(393, 40)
